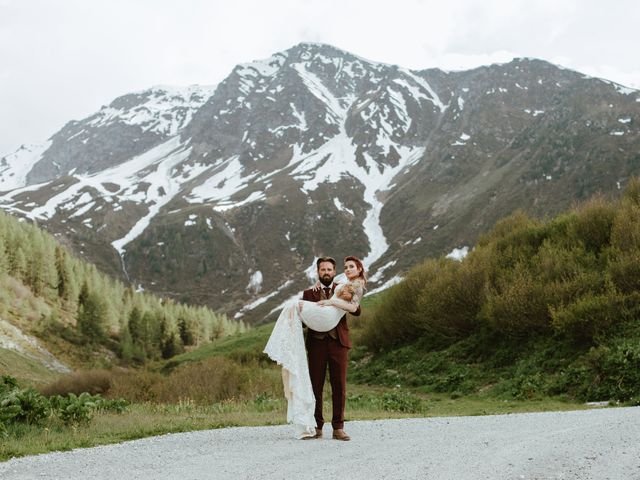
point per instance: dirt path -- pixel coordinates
(590, 444)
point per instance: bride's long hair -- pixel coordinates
(360, 266)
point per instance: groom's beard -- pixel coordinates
(326, 280)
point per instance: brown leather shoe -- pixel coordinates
(312, 437)
(338, 434)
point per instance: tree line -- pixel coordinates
(75, 300)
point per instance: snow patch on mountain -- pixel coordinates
(226, 180)
(458, 253)
(389, 283)
(164, 186)
(433, 96)
(341, 207)
(337, 159)
(15, 166)
(255, 282)
(266, 67)
(261, 300)
(165, 111)
(335, 110)
(380, 273)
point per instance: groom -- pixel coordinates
(328, 349)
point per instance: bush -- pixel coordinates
(18, 405)
(631, 193)
(615, 372)
(624, 271)
(27, 406)
(513, 240)
(397, 401)
(519, 306)
(588, 316)
(91, 381)
(448, 306)
(394, 318)
(625, 232)
(212, 380)
(593, 224)
(74, 409)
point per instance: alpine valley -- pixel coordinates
(225, 195)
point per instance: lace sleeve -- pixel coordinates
(358, 291)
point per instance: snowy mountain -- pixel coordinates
(226, 195)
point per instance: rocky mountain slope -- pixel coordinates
(226, 195)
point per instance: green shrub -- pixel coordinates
(514, 240)
(398, 401)
(519, 306)
(22, 405)
(555, 262)
(74, 409)
(448, 306)
(27, 406)
(517, 228)
(624, 271)
(593, 224)
(625, 232)
(588, 316)
(615, 372)
(631, 193)
(393, 322)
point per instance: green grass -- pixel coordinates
(148, 419)
(493, 368)
(475, 376)
(25, 369)
(240, 347)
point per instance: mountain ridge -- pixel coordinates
(315, 150)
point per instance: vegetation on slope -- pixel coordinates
(539, 315)
(46, 291)
(538, 308)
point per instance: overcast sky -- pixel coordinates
(63, 59)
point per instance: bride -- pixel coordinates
(286, 345)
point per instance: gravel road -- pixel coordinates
(589, 444)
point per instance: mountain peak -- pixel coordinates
(314, 150)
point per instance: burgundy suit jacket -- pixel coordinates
(342, 327)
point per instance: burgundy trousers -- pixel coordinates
(323, 353)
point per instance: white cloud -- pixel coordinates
(62, 60)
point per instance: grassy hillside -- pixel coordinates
(537, 309)
(52, 303)
(541, 315)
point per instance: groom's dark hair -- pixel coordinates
(325, 259)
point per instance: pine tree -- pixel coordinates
(186, 333)
(91, 318)
(126, 346)
(4, 262)
(64, 273)
(171, 346)
(134, 326)
(19, 264)
(41, 271)
(84, 294)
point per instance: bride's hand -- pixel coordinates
(324, 303)
(317, 286)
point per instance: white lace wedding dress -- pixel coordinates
(286, 347)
